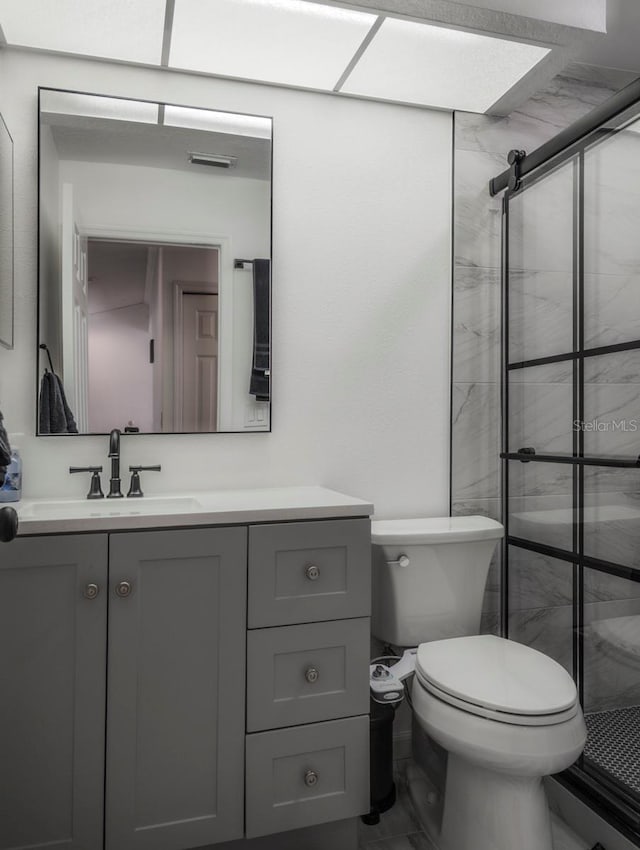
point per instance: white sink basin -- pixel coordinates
(145, 506)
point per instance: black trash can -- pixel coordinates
(382, 786)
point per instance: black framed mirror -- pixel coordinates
(154, 267)
(6, 237)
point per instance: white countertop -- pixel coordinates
(210, 507)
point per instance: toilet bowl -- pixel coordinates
(505, 714)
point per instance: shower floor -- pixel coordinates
(613, 744)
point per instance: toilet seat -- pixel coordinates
(497, 679)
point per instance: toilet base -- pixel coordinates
(483, 809)
(489, 810)
(426, 802)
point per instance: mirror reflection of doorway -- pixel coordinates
(196, 347)
(153, 336)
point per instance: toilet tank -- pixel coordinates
(429, 576)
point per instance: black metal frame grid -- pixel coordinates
(604, 793)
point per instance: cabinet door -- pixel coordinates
(53, 602)
(176, 679)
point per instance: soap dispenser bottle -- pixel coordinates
(11, 489)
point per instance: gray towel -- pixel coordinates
(5, 449)
(260, 367)
(55, 415)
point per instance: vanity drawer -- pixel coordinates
(306, 775)
(301, 674)
(309, 571)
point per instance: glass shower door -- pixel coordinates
(611, 518)
(539, 406)
(571, 443)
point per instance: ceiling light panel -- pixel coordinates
(220, 122)
(292, 42)
(96, 106)
(119, 29)
(434, 66)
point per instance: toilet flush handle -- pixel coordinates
(401, 561)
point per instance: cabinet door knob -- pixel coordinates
(124, 588)
(91, 590)
(311, 675)
(310, 778)
(312, 572)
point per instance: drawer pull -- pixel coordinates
(124, 588)
(312, 572)
(310, 778)
(90, 591)
(312, 675)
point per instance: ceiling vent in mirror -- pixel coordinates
(212, 159)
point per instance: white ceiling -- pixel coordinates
(299, 43)
(139, 133)
(620, 48)
(478, 55)
(422, 64)
(155, 146)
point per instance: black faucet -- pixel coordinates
(114, 454)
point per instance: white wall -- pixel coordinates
(361, 265)
(51, 303)
(120, 375)
(130, 197)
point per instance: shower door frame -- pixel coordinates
(602, 793)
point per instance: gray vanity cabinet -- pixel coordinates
(307, 674)
(174, 686)
(176, 679)
(123, 679)
(53, 607)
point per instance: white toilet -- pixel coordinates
(506, 714)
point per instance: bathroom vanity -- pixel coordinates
(186, 676)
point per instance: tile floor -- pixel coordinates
(399, 828)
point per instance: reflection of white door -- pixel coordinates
(197, 382)
(75, 310)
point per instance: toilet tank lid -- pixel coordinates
(451, 529)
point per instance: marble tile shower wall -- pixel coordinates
(540, 589)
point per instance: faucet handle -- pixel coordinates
(95, 489)
(135, 490)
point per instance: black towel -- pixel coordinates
(55, 415)
(261, 365)
(5, 450)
